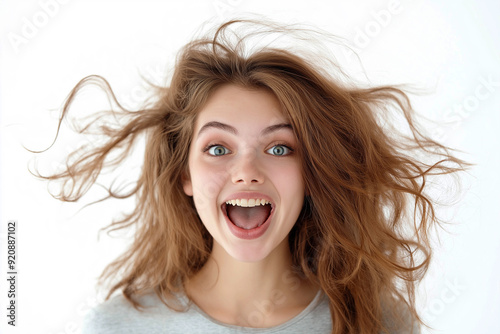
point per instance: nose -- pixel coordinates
(246, 169)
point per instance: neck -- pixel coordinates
(244, 280)
(254, 294)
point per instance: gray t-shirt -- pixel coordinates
(118, 316)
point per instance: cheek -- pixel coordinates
(207, 180)
(207, 184)
(288, 179)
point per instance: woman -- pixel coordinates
(273, 198)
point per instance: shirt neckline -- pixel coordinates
(309, 308)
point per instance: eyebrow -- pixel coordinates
(229, 128)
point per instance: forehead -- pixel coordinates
(241, 107)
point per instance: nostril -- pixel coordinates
(244, 181)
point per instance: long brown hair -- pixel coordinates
(366, 188)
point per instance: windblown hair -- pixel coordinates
(363, 233)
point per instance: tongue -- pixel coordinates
(249, 217)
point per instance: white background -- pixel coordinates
(450, 49)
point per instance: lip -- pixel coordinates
(242, 233)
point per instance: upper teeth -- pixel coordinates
(248, 202)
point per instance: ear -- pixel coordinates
(187, 185)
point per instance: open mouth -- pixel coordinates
(248, 219)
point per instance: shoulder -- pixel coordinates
(118, 315)
(315, 318)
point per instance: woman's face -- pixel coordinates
(244, 176)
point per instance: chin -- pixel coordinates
(248, 253)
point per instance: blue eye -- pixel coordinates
(218, 150)
(279, 150)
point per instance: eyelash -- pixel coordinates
(207, 148)
(283, 145)
(210, 146)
